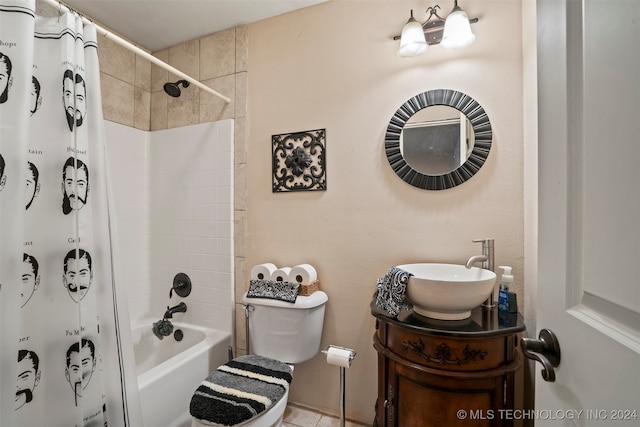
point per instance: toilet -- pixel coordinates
(281, 335)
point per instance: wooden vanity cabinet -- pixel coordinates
(437, 376)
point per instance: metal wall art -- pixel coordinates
(299, 161)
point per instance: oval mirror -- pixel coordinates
(438, 139)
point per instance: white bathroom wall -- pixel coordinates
(173, 191)
(191, 188)
(127, 150)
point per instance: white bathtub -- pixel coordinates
(170, 371)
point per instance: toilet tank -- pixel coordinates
(288, 332)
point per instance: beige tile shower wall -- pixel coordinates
(132, 92)
(126, 82)
(218, 61)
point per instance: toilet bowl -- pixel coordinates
(280, 333)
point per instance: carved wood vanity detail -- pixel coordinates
(446, 373)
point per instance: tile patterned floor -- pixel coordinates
(301, 417)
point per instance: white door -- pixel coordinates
(589, 210)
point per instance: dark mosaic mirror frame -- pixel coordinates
(482, 139)
(299, 161)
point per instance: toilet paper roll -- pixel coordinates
(303, 274)
(281, 274)
(339, 356)
(263, 271)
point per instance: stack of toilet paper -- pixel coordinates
(304, 274)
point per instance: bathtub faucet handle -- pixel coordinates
(181, 284)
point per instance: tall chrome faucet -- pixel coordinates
(488, 263)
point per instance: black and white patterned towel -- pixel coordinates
(240, 390)
(283, 291)
(391, 291)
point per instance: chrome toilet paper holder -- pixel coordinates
(352, 355)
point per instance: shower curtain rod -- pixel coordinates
(122, 42)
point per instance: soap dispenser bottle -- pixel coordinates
(503, 291)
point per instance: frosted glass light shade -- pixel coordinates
(457, 30)
(412, 40)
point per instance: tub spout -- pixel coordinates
(180, 308)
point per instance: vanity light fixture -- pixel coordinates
(412, 40)
(454, 32)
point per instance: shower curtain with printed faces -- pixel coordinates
(63, 361)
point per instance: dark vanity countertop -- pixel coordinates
(482, 323)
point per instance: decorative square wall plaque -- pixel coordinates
(299, 161)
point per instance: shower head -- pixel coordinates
(173, 89)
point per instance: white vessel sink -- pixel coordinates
(447, 291)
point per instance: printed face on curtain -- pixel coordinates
(62, 355)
